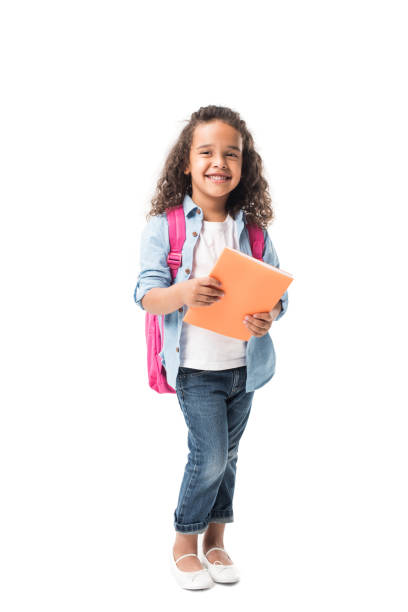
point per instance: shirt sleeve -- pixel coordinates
(270, 256)
(154, 249)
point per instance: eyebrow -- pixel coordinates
(228, 147)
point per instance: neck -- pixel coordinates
(214, 209)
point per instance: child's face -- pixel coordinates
(222, 154)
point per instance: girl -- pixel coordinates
(215, 172)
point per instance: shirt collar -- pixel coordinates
(189, 205)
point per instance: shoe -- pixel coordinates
(218, 571)
(199, 579)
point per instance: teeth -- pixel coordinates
(218, 178)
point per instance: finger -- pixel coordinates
(254, 330)
(265, 316)
(258, 323)
(211, 292)
(207, 299)
(210, 281)
(209, 296)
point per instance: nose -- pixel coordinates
(219, 162)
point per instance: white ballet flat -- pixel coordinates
(199, 579)
(218, 571)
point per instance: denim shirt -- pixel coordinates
(154, 272)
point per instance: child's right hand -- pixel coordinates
(202, 291)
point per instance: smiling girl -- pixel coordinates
(215, 172)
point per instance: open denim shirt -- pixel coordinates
(154, 272)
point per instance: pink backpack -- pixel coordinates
(154, 338)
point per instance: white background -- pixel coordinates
(94, 94)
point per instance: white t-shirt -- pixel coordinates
(200, 348)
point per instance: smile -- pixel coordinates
(218, 179)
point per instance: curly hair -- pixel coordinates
(250, 195)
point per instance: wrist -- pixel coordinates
(276, 310)
(180, 289)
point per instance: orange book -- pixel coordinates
(249, 284)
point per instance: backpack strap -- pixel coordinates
(256, 239)
(177, 235)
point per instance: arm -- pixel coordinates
(155, 291)
(162, 301)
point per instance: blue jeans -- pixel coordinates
(216, 408)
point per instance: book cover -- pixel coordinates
(250, 285)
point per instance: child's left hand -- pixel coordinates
(260, 322)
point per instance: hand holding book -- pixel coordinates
(260, 322)
(202, 291)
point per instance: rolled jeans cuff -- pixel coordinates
(215, 517)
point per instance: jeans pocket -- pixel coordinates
(191, 372)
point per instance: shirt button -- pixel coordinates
(194, 233)
(177, 349)
(198, 211)
(180, 309)
(187, 270)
